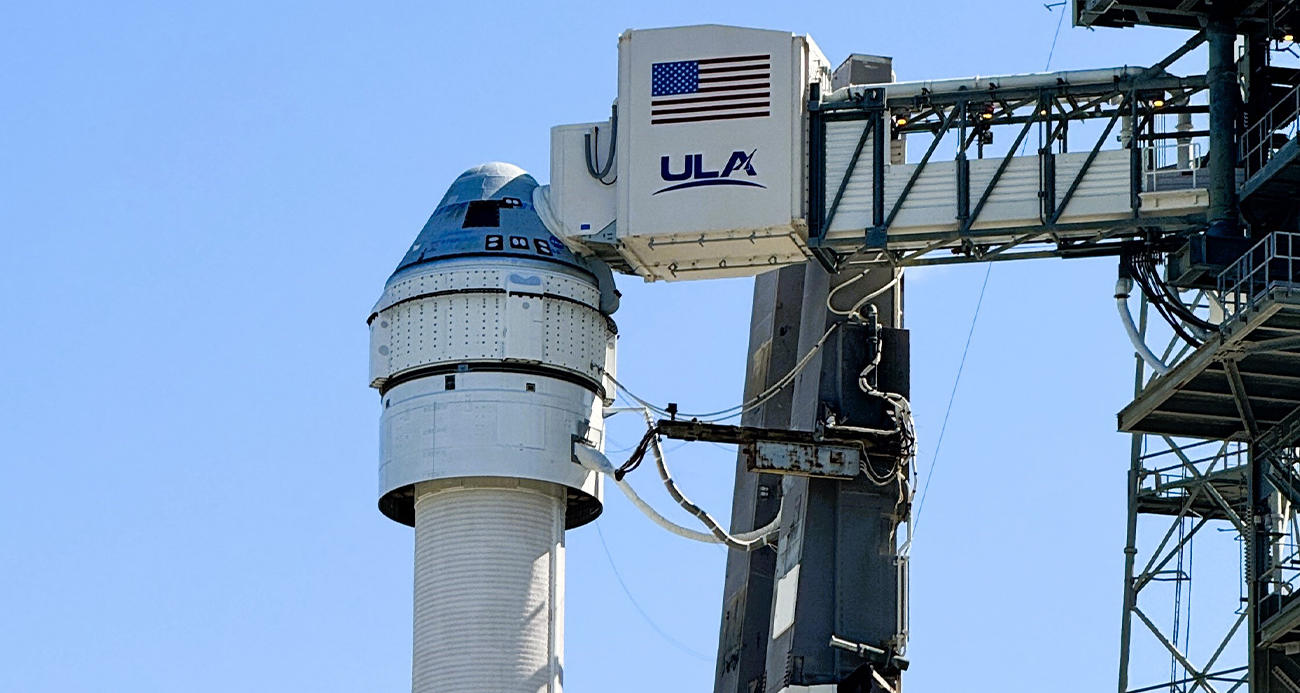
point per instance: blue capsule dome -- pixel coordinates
(488, 211)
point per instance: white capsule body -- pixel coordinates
(491, 348)
(489, 367)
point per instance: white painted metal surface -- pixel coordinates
(514, 425)
(581, 204)
(710, 175)
(489, 587)
(481, 309)
(491, 348)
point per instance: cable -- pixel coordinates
(1156, 299)
(754, 540)
(636, 605)
(862, 301)
(634, 460)
(916, 519)
(1142, 266)
(1165, 300)
(730, 412)
(593, 152)
(1056, 36)
(592, 459)
(902, 414)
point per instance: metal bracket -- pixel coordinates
(828, 452)
(871, 653)
(808, 460)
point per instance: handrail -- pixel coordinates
(1283, 118)
(1273, 261)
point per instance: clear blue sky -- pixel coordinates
(199, 206)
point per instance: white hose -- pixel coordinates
(862, 301)
(748, 541)
(732, 541)
(594, 460)
(1122, 288)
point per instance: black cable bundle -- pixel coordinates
(1142, 267)
(638, 454)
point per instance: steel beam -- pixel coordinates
(1221, 79)
(747, 593)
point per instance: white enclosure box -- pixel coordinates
(581, 203)
(711, 161)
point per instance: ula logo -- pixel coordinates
(694, 175)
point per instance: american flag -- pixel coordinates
(691, 91)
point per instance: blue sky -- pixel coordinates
(200, 204)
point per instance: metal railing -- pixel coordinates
(1165, 473)
(1279, 125)
(1274, 261)
(1173, 166)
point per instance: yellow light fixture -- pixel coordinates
(1158, 103)
(1289, 38)
(901, 121)
(987, 116)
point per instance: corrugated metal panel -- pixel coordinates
(1104, 191)
(489, 588)
(931, 206)
(854, 210)
(1014, 201)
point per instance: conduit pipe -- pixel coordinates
(746, 541)
(1122, 288)
(983, 84)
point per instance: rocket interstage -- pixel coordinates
(490, 348)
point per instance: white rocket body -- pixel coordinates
(489, 348)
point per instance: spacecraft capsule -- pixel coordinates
(491, 348)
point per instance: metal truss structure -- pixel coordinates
(969, 120)
(1215, 447)
(1215, 420)
(1180, 488)
(1212, 239)
(1181, 14)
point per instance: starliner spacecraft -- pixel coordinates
(490, 349)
